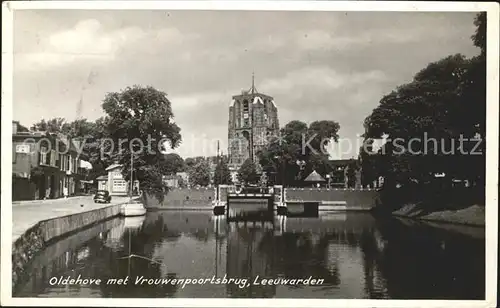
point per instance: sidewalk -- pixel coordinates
(26, 214)
(49, 201)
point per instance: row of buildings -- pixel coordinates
(49, 166)
(45, 166)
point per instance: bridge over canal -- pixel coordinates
(263, 202)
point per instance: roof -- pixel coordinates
(113, 166)
(85, 164)
(314, 177)
(257, 99)
(102, 178)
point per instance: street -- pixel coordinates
(26, 214)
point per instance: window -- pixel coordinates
(119, 186)
(245, 106)
(53, 158)
(43, 155)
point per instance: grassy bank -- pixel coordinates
(455, 205)
(473, 215)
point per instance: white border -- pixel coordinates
(491, 153)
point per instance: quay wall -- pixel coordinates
(202, 198)
(353, 199)
(54, 257)
(179, 198)
(40, 236)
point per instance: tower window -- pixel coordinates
(245, 106)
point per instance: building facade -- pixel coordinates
(115, 183)
(44, 166)
(253, 120)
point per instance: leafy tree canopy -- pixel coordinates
(50, 126)
(222, 174)
(298, 142)
(199, 174)
(248, 173)
(479, 37)
(139, 120)
(445, 101)
(171, 163)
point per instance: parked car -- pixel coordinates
(102, 196)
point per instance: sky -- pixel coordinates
(317, 65)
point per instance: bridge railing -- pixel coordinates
(224, 190)
(222, 193)
(278, 192)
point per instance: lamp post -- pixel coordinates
(301, 164)
(282, 168)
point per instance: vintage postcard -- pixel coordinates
(249, 153)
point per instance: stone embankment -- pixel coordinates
(202, 198)
(349, 199)
(182, 199)
(62, 253)
(53, 224)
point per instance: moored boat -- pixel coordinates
(133, 209)
(133, 223)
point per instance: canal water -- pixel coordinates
(350, 256)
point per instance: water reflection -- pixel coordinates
(356, 255)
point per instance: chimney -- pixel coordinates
(14, 127)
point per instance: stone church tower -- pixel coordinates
(253, 120)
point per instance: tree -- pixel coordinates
(248, 173)
(88, 133)
(50, 126)
(368, 163)
(352, 167)
(445, 102)
(324, 132)
(190, 162)
(427, 108)
(139, 122)
(80, 128)
(222, 174)
(171, 163)
(94, 140)
(298, 142)
(479, 37)
(199, 174)
(181, 182)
